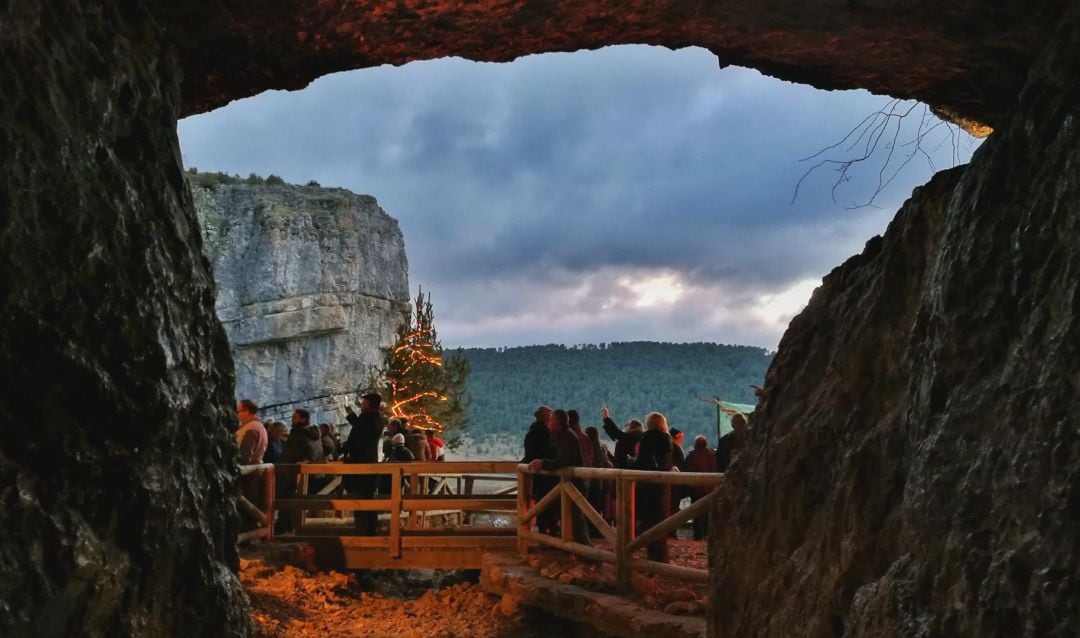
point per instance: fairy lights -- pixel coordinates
(418, 383)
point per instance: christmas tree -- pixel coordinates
(421, 383)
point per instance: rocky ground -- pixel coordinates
(290, 601)
(653, 592)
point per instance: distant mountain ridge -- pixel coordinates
(633, 378)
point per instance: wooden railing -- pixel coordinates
(429, 490)
(451, 490)
(265, 514)
(622, 535)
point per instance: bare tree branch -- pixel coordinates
(884, 129)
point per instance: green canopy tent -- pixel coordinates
(725, 410)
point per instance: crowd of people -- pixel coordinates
(305, 442)
(554, 440)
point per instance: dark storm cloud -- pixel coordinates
(581, 181)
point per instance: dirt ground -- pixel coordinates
(289, 602)
(292, 602)
(653, 592)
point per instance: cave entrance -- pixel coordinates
(628, 193)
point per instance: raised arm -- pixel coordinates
(610, 428)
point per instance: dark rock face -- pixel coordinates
(116, 461)
(967, 57)
(914, 468)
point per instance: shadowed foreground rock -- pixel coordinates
(915, 465)
(116, 457)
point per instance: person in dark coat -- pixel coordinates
(399, 453)
(537, 440)
(304, 445)
(679, 456)
(329, 445)
(700, 459)
(625, 440)
(565, 451)
(362, 446)
(654, 499)
(600, 491)
(731, 444)
(277, 433)
(583, 441)
(414, 439)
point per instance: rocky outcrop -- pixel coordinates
(312, 287)
(914, 467)
(966, 58)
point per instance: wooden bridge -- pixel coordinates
(500, 521)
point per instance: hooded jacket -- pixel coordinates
(303, 445)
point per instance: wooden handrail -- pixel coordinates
(669, 478)
(265, 516)
(622, 535)
(417, 501)
(425, 468)
(258, 467)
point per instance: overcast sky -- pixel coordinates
(631, 193)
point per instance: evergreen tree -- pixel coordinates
(419, 382)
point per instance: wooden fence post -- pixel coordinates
(269, 485)
(523, 487)
(301, 517)
(395, 513)
(624, 531)
(413, 519)
(567, 510)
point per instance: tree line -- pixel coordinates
(633, 378)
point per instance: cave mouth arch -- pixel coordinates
(118, 322)
(593, 151)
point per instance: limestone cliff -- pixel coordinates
(312, 286)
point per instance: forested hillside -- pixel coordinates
(634, 378)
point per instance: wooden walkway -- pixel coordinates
(408, 541)
(500, 521)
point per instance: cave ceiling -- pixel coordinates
(965, 58)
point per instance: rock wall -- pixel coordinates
(117, 459)
(967, 57)
(914, 468)
(312, 287)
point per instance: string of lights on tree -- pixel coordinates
(418, 382)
